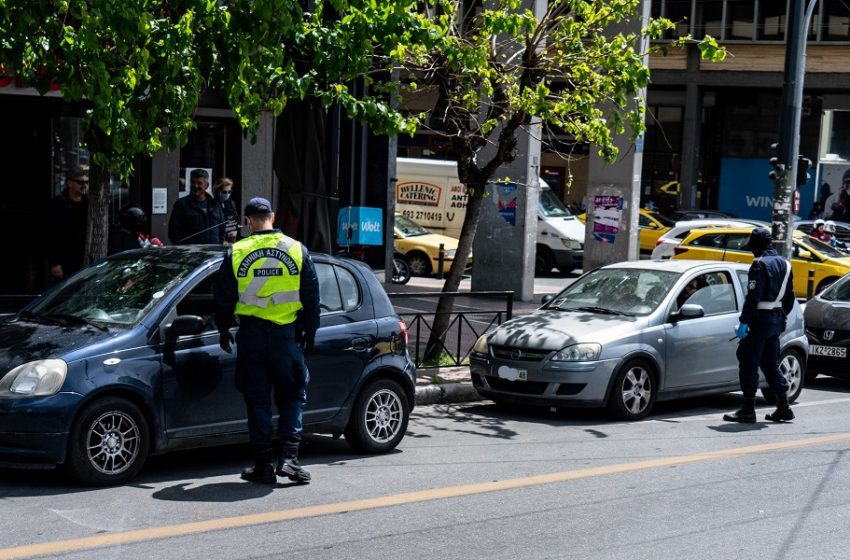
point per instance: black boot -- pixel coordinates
(746, 414)
(288, 465)
(262, 472)
(783, 412)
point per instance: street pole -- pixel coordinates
(785, 176)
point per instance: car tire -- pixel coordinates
(792, 368)
(544, 262)
(109, 443)
(379, 418)
(420, 264)
(633, 393)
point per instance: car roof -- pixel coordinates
(195, 254)
(675, 265)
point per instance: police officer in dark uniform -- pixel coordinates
(769, 299)
(269, 282)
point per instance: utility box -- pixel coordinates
(360, 225)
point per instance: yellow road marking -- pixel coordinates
(129, 537)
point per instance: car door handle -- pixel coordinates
(361, 344)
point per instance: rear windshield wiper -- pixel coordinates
(603, 310)
(74, 320)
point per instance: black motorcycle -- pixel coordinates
(401, 268)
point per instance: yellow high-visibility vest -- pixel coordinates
(268, 276)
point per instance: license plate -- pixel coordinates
(512, 374)
(830, 351)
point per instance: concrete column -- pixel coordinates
(503, 252)
(258, 178)
(165, 173)
(691, 133)
(620, 179)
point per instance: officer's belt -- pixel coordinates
(777, 303)
(275, 299)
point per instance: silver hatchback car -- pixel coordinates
(627, 335)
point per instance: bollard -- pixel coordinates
(441, 260)
(810, 284)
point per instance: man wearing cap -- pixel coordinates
(197, 217)
(769, 299)
(66, 221)
(268, 281)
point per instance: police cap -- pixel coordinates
(257, 206)
(760, 238)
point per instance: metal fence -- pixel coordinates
(464, 328)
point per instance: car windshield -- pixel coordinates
(664, 220)
(115, 292)
(840, 291)
(824, 249)
(551, 206)
(408, 227)
(616, 291)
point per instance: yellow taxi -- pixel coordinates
(727, 244)
(652, 226)
(422, 247)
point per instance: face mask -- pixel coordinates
(224, 197)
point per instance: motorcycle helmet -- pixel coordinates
(829, 226)
(819, 222)
(132, 218)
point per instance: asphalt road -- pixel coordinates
(474, 481)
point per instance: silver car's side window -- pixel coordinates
(713, 291)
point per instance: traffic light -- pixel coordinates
(803, 166)
(778, 168)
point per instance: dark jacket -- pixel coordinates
(227, 293)
(231, 219)
(191, 225)
(764, 281)
(65, 232)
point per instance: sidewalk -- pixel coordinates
(444, 385)
(454, 384)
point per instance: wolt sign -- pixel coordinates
(360, 225)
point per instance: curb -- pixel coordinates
(445, 393)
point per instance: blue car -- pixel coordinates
(122, 361)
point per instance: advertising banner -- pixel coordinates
(607, 213)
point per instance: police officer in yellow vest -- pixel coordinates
(268, 281)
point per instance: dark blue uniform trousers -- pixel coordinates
(269, 359)
(761, 348)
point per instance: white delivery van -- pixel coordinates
(429, 193)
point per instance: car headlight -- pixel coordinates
(37, 379)
(571, 243)
(585, 352)
(481, 345)
(450, 254)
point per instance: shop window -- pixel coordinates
(68, 149)
(772, 21)
(739, 19)
(710, 19)
(836, 20)
(679, 12)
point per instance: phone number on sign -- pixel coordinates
(423, 215)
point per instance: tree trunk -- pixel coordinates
(464, 247)
(97, 234)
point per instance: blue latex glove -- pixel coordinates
(741, 331)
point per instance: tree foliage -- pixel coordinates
(499, 67)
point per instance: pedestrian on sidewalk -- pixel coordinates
(66, 222)
(769, 299)
(196, 217)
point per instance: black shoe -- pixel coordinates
(780, 415)
(742, 416)
(262, 474)
(289, 467)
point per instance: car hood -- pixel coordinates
(821, 314)
(547, 329)
(24, 341)
(434, 240)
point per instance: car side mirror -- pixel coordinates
(185, 325)
(805, 255)
(547, 298)
(688, 311)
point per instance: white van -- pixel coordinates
(429, 193)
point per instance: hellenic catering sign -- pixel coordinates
(417, 192)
